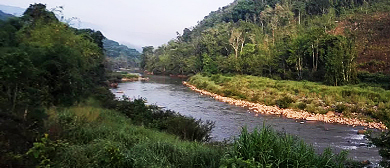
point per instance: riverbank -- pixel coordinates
(217, 91)
(130, 77)
(134, 79)
(92, 136)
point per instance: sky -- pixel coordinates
(136, 22)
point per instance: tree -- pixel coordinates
(147, 53)
(299, 7)
(37, 12)
(237, 41)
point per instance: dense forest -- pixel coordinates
(283, 39)
(54, 98)
(328, 42)
(120, 56)
(44, 63)
(56, 109)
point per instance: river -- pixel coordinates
(171, 94)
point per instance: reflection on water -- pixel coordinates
(170, 93)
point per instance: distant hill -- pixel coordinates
(121, 55)
(138, 48)
(5, 16)
(16, 11)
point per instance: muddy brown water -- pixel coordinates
(229, 119)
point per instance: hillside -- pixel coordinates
(373, 34)
(4, 16)
(336, 43)
(120, 55)
(16, 11)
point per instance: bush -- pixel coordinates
(380, 79)
(114, 77)
(340, 108)
(267, 148)
(302, 106)
(169, 121)
(383, 142)
(284, 102)
(130, 76)
(110, 140)
(190, 128)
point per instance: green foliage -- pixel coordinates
(377, 79)
(47, 64)
(99, 137)
(44, 63)
(186, 128)
(383, 142)
(147, 54)
(267, 148)
(209, 65)
(130, 76)
(43, 151)
(313, 97)
(284, 102)
(120, 56)
(37, 13)
(114, 77)
(290, 40)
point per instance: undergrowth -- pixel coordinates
(87, 136)
(268, 148)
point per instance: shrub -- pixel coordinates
(267, 148)
(112, 141)
(383, 142)
(340, 108)
(284, 102)
(152, 116)
(302, 106)
(190, 128)
(130, 76)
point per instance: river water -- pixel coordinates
(171, 94)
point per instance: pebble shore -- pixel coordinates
(330, 117)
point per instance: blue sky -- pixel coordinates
(137, 22)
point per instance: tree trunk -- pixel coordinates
(14, 98)
(317, 56)
(299, 18)
(242, 45)
(273, 36)
(314, 68)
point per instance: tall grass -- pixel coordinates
(310, 96)
(187, 128)
(268, 148)
(86, 136)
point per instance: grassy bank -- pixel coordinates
(360, 101)
(87, 136)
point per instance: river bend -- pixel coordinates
(170, 93)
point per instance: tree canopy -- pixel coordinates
(44, 63)
(282, 39)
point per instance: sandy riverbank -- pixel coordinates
(330, 117)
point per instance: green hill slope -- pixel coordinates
(316, 40)
(120, 56)
(5, 16)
